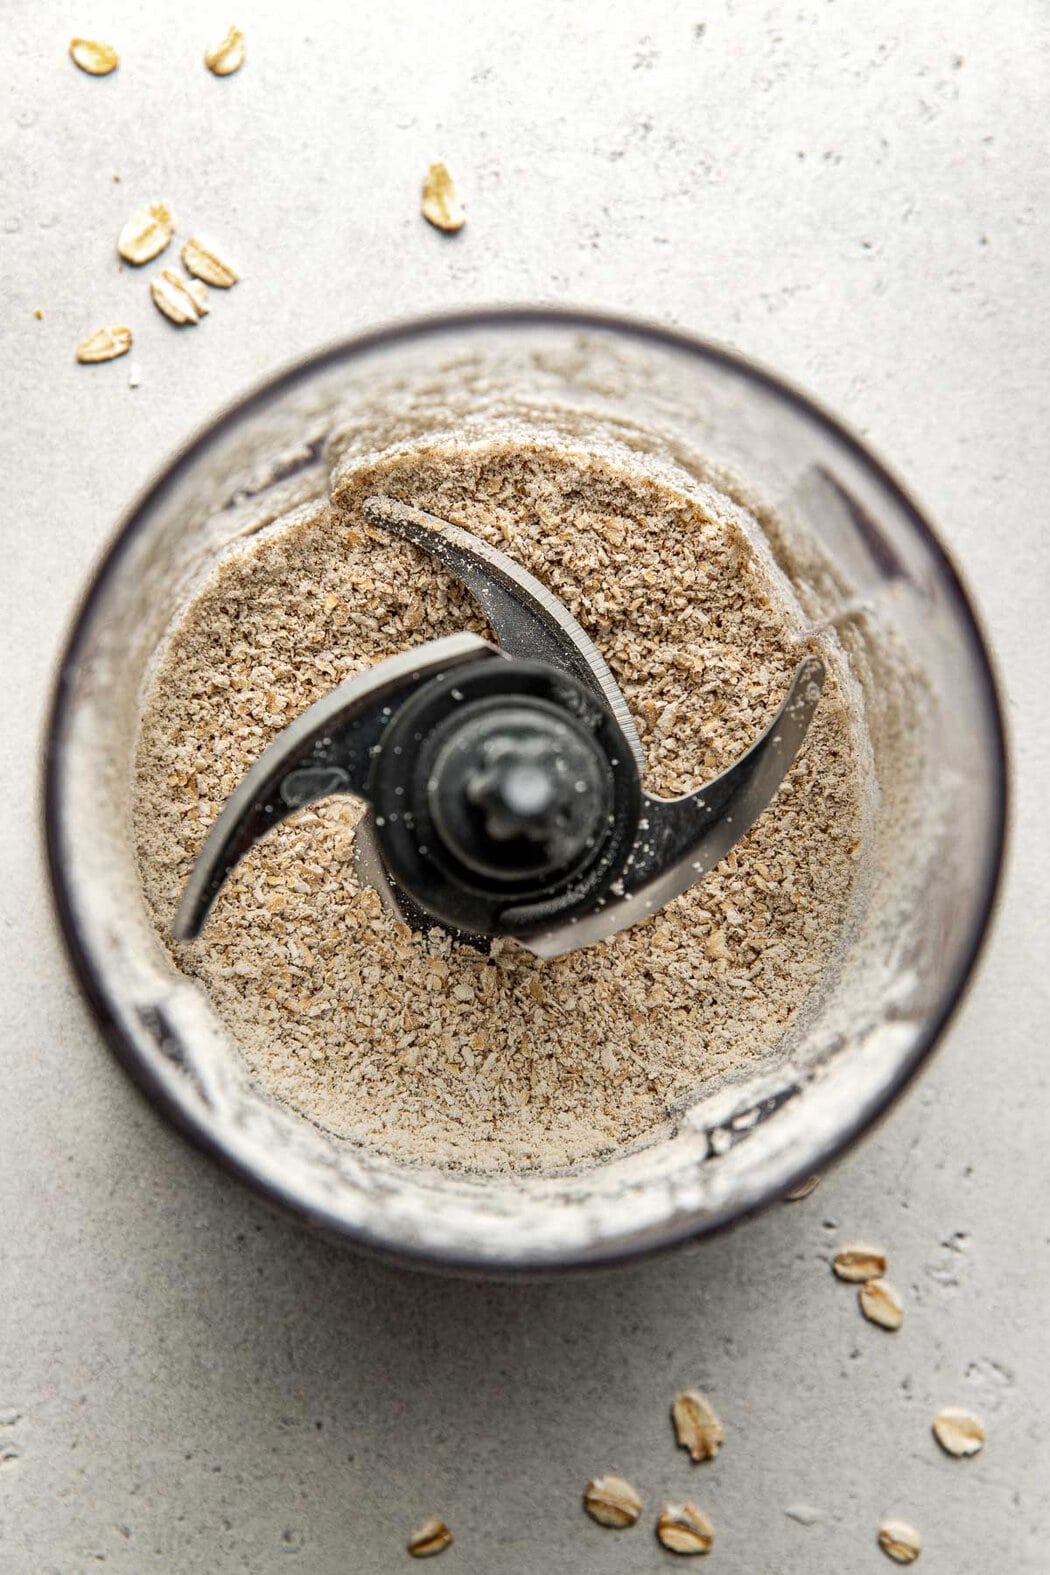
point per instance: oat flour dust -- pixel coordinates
(408, 1043)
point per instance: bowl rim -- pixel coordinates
(91, 977)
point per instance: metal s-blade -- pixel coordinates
(528, 619)
(326, 750)
(681, 839)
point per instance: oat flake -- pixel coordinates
(696, 1426)
(105, 344)
(682, 1528)
(430, 1538)
(227, 56)
(97, 59)
(899, 1541)
(184, 301)
(958, 1432)
(858, 1264)
(146, 233)
(880, 1304)
(204, 262)
(612, 1502)
(441, 205)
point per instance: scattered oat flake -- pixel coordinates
(859, 1263)
(685, 1529)
(185, 301)
(146, 233)
(899, 1541)
(803, 1189)
(98, 60)
(612, 1501)
(433, 1537)
(105, 344)
(226, 57)
(441, 206)
(206, 263)
(958, 1432)
(696, 1426)
(880, 1304)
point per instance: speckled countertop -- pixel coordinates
(857, 197)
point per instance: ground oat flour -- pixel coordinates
(408, 1043)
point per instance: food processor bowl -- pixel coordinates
(861, 569)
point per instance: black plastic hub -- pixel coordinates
(505, 797)
(518, 790)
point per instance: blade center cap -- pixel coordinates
(516, 791)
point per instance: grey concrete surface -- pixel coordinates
(857, 195)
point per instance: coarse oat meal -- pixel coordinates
(405, 1042)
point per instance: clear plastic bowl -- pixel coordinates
(861, 563)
